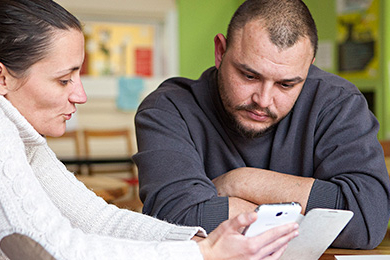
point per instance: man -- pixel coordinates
(263, 126)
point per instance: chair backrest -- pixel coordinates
(109, 143)
(113, 143)
(107, 139)
(69, 142)
(67, 146)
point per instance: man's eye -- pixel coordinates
(250, 77)
(285, 85)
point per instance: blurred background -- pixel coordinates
(134, 45)
(145, 42)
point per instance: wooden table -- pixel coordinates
(89, 161)
(81, 164)
(109, 188)
(382, 249)
(387, 161)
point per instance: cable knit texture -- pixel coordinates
(39, 198)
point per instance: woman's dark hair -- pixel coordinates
(26, 31)
(286, 21)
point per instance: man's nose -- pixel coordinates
(263, 96)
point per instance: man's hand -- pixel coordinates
(260, 186)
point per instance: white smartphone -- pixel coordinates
(273, 215)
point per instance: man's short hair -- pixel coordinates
(286, 21)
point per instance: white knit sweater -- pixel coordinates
(41, 199)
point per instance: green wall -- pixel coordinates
(385, 64)
(199, 22)
(324, 13)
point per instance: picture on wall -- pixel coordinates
(357, 37)
(119, 49)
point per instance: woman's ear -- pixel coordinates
(3, 79)
(220, 48)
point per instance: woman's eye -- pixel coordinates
(65, 82)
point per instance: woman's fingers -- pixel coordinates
(277, 254)
(235, 224)
(226, 242)
(274, 241)
(242, 220)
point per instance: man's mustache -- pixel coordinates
(255, 107)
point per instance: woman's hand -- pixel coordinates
(226, 242)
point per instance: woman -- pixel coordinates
(41, 53)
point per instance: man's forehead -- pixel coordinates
(258, 29)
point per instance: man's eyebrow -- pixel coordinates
(247, 68)
(258, 74)
(293, 80)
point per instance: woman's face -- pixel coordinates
(48, 95)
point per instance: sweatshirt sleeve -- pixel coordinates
(91, 213)
(26, 209)
(173, 182)
(350, 171)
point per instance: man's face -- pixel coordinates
(258, 82)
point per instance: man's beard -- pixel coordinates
(240, 128)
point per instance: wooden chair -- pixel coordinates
(69, 144)
(90, 134)
(111, 143)
(386, 150)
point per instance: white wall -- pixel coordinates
(137, 9)
(162, 14)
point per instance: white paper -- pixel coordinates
(362, 257)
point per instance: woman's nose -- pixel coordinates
(78, 94)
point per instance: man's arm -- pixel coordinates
(260, 186)
(238, 206)
(348, 172)
(173, 182)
